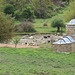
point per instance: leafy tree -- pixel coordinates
(42, 8)
(57, 22)
(27, 13)
(9, 9)
(17, 14)
(6, 29)
(18, 4)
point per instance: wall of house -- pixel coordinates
(62, 47)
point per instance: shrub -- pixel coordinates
(45, 24)
(16, 40)
(26, 26)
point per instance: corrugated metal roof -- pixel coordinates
(61, 41)
(65, 40)
(72, 22)
(70, 38)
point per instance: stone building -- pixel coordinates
(66, 43)
(70, 28)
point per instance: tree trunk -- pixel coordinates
(68, 2)
(58, 29)
(15, 45)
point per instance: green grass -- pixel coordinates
(38, 25)
(41, 61)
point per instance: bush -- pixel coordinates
(28, 27)
(45, 24)
(25, 27)
(9, 9)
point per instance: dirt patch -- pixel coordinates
(18, 46)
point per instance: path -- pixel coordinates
(18, 46)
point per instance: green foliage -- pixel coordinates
(17, 14)
(27, 13)
(6, 28)
(57, 22)
(42, 8)
(16, 40)
(9, 9)
(1, 5)
(70, 14)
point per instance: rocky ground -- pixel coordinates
(36, 40)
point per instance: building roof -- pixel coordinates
(70, 38)
(72, 22)
(65, 40)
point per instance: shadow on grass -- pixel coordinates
(58, 31)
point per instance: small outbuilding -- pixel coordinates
(65, 44)
(70, 28)
(73, 43)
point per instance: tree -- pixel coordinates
(9, 9)
(57, 22)
(17, 14)
(70, 14)
(6, 29)
(42, 8)
(27, 13)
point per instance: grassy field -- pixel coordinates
(39, 25)
(41, 61)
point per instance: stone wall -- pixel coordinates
(73, 47)
(70, 30)
(73, 36)
(62, 47)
